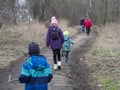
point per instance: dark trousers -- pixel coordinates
(56, 56)
(87, 31)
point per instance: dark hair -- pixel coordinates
(33, 48)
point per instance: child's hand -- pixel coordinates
(74, 42)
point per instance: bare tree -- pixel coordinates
(105, 13)
(100, 11)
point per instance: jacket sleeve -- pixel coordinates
(71, 41)
(25, 75)
(50, 75)
(90, 23)
(48, 37)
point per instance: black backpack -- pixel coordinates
(54, 35)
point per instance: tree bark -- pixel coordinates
(105, 13)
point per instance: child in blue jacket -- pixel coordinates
(36, 73)
(66, 45)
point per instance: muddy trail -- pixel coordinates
(75, 76)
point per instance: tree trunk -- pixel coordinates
(105, 13)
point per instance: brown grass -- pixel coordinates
(109, 36)
(14, 40)
(104, 56)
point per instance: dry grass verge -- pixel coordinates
(104, 57)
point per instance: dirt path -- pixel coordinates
(75, 76)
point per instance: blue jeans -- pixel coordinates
(83, 28)
(66, 54)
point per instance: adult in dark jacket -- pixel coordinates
(55, 45)
(82, 24)
(36, 73)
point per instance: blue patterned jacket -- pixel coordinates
(36, 73)
(67, 43)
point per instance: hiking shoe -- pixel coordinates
(59, 67)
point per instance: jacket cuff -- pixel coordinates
(24, 79)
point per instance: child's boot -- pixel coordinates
(59, 64)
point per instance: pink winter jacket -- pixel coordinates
(87, 23)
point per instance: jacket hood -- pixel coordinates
(39, 63)
(66, 37)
